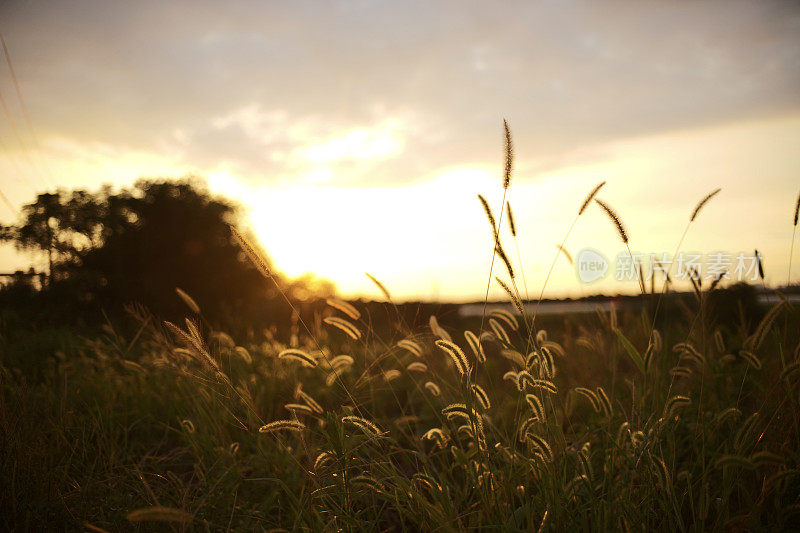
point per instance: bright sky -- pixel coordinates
(358, 134)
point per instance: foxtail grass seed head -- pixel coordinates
(797, 210)
(524, 380)
(509, 155)
(703, 202)
(416, 366)
(637, 438)
(615, 219)
(433, 388)
(363, 424)
(251, 253)
(575, 485)
(380, 286)
(604, 402)
(437, 435)
(532, 360)
(410, 346)
(459, 409)
(499, 332)
(294, 354)
(675, 404)
(344, 307)
(489, 216)
(514, 356)
(681, 372)
(426, 481)
(754, 341)
(242, 352)
(717, 280)
(223, 339)
(391, 375)
(280, 425)
(547, 363)
(506, 317)
(437, 330)
(541, 446)
(476, 346)
(536, 406)
(719, 342)
(456, 355)
(514, 300)
(349, 328)
(188, 300)
(623, 434)
(498, 248)
(751, 359)
(483, 398)
(589, 198)
(760, 265)
(657, 341)
(299, 408)
(341, 361)
(591, 396)
(527, 426)
(544, 385)
(336, 374)
(541, 336)
(368, 482)
(323, 460)
(193, 329)
(566, 254)
(511, 225)
(662, 475)
(584, 464)
(309, 401)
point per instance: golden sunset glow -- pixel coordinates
(355, 265)
(360, 170)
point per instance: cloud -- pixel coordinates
(370, 92)
(255, 143)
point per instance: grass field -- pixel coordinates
(359, 418)
(699, 430)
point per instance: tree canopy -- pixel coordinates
(139, 244)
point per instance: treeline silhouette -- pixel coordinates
(108, 249)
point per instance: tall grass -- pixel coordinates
(606, 422)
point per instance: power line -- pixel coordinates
(13, 160)
(8, 204)
(24, 107)
(25, 149)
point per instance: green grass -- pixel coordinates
(596, 422)
(102, 433)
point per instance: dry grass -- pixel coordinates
(577, 423)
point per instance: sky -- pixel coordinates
(357, 135)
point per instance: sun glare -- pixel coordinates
(397, 233)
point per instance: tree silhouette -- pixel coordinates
(139, 244)
(57, 223)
